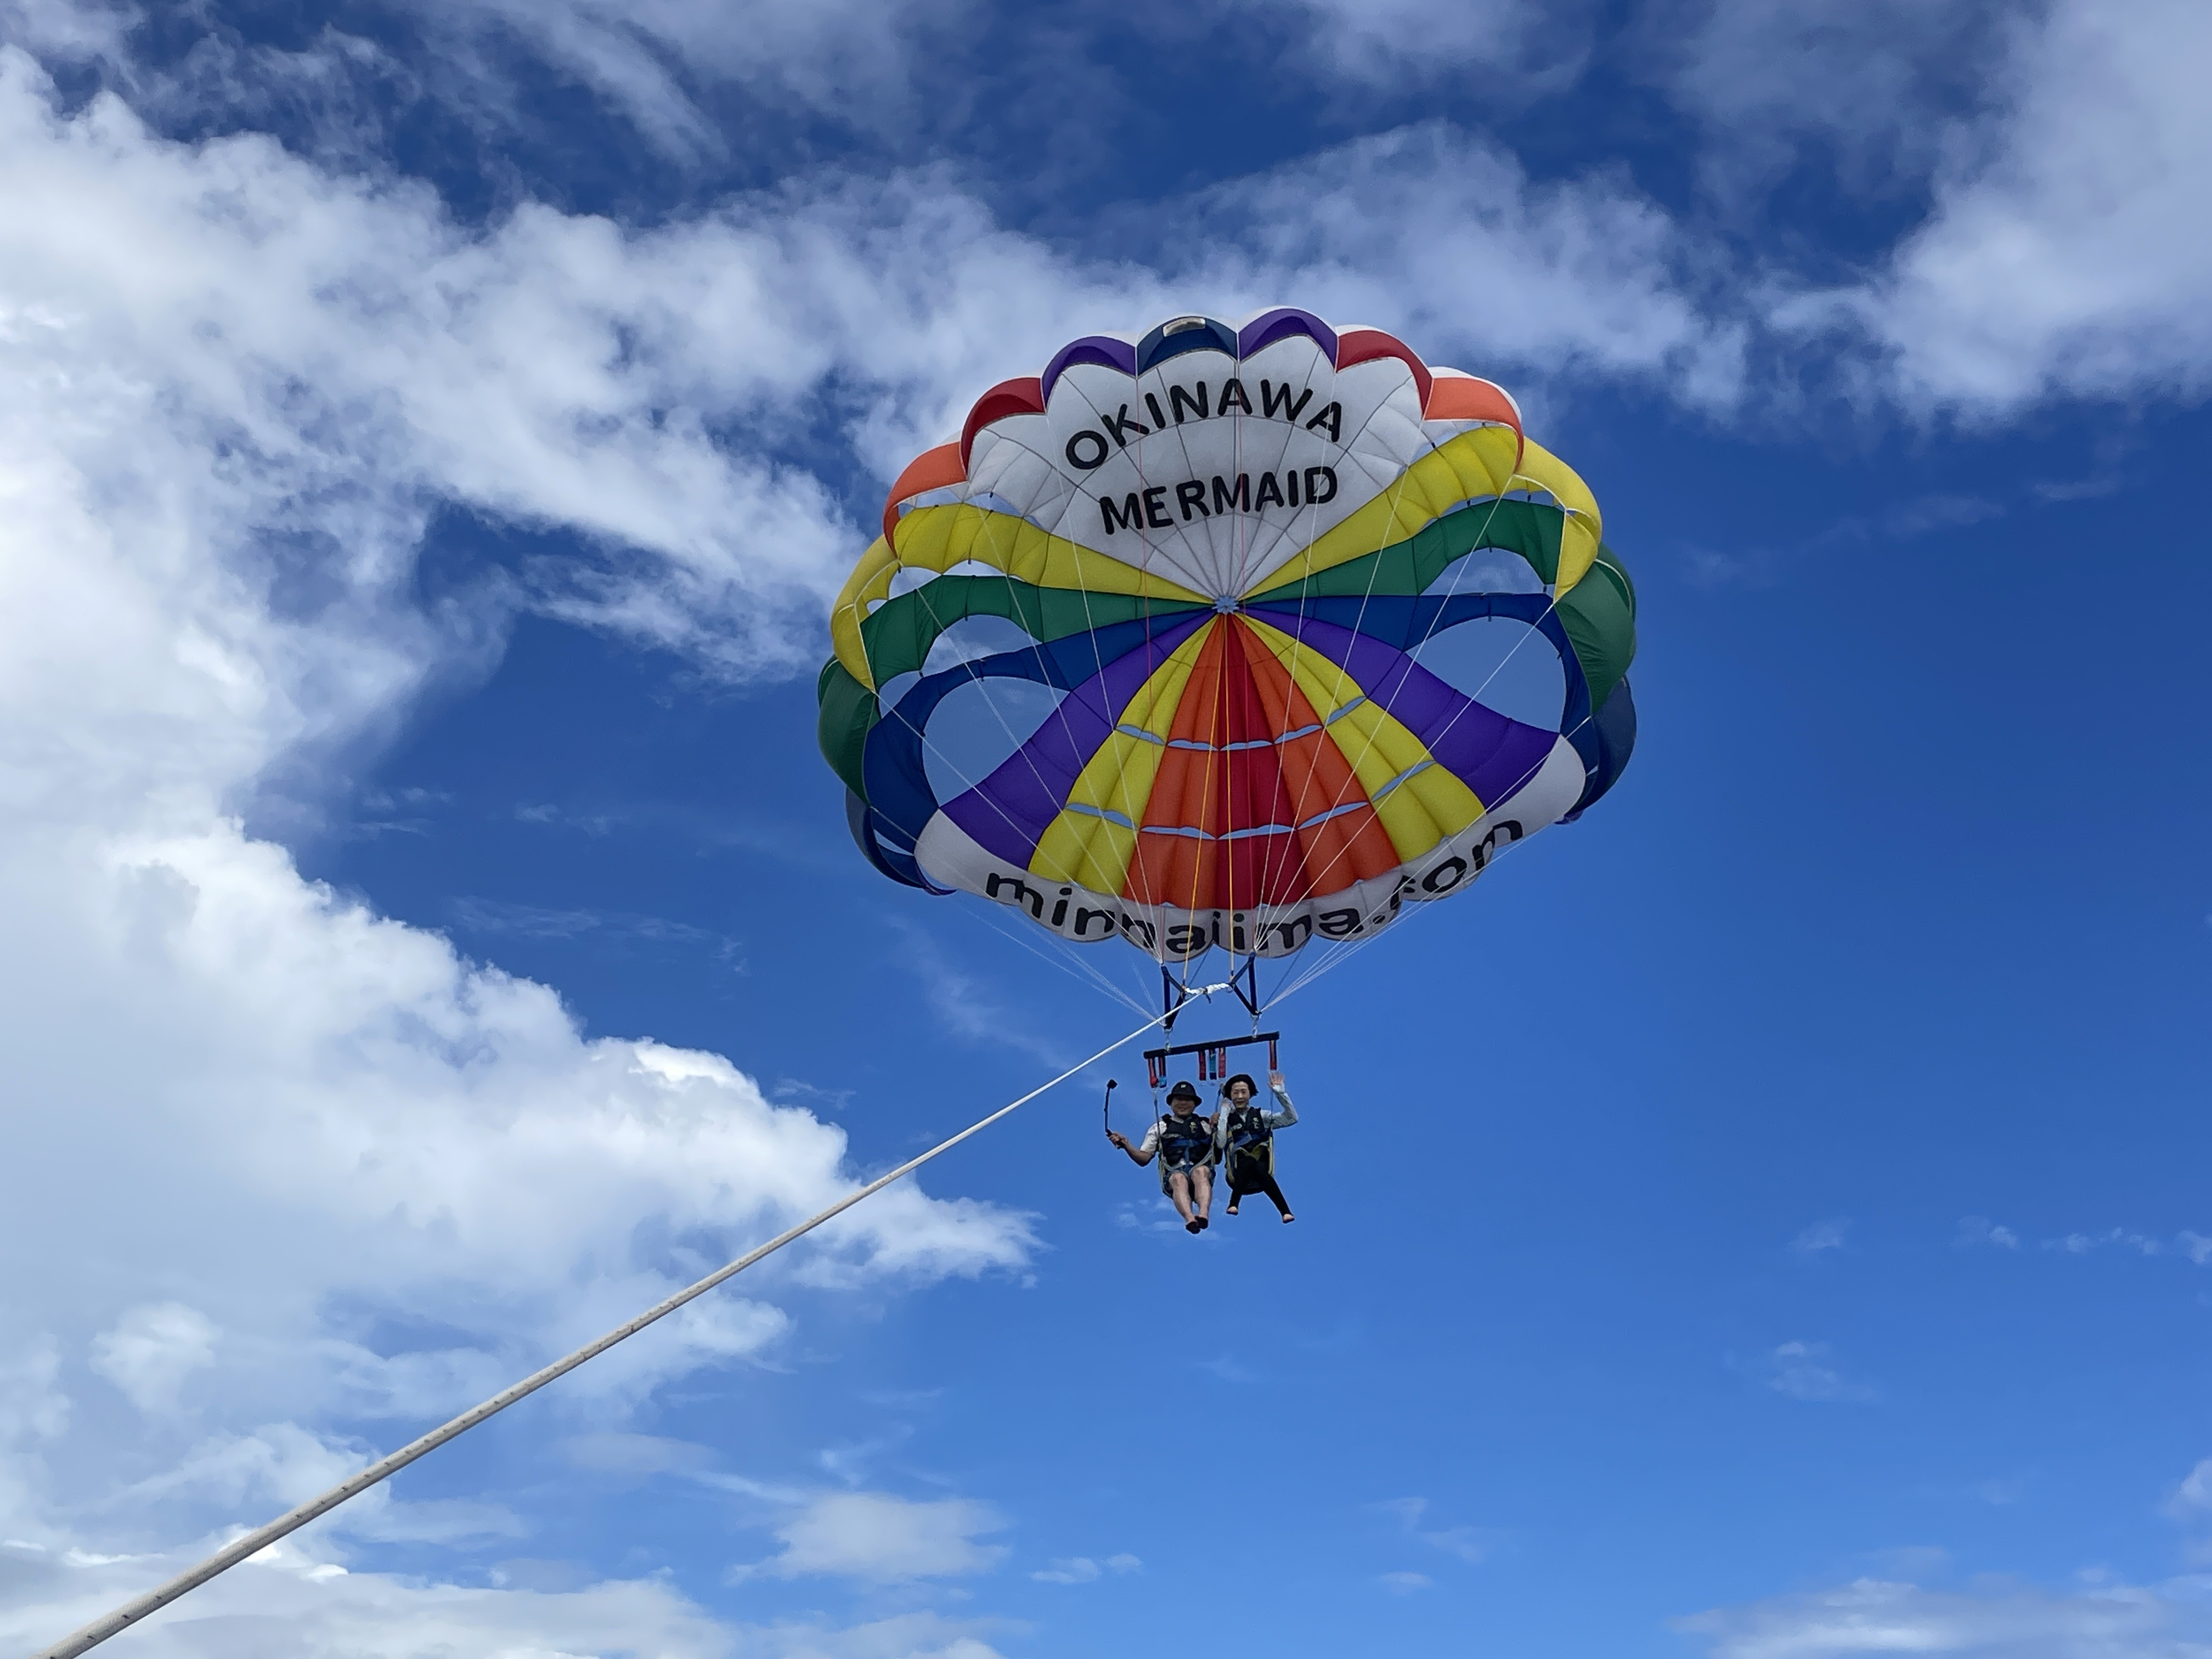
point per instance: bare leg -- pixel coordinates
(1201, 1181)
(1179, 1194)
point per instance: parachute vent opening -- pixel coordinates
(1486, 570)
(980, 726)
(974, 637)
(1503, 664)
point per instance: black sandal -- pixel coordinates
(1193, 1225)
(1203, 1224)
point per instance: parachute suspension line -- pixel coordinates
(230, 1555)
(1340, 951)
(1198, 863)
(921, 732)
(982, 683)
(1289, 978)
(1064, 957)
(1343, 951)
(1078, 966)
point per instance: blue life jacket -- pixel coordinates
(1185, 1142)
(1251, 1144)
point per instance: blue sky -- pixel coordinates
(1763, 1221)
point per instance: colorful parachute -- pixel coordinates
(1227, 636)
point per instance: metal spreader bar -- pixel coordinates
(1212, 1055)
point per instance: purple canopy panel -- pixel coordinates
(1493, 754)
(1280, 323)
(1103, 350)
(1008, 813)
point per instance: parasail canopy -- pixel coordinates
(1227, 636)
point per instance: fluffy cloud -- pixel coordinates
(1082, 1569)
(152, 1350)
(293, 1603)
(1801, 1370)
(1445, 236)
(1398, 45)
(1820, 1236)
(1980, 1229)
(647, 59)
(269, 1121)
(2067, 255)
(1868, 82)
(1471, 1545)
(885, 1540)
(1874, 1617)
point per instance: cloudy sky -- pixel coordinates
(1765, 1222)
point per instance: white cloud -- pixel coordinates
(31, 1406)
(1068, 1570)
(2194, 1495)
(235, 386)
(1801, 1370)
(68, 28)
(294, 1602)
(1869, 81)
(2125, 1238)
(1405, 1584)
(2068, 254)
(323, 359)
(1469, 1544)
(1872, 1616)
(1820, 1236)
(1082, 1569)
(151, 1351)
(881, 1539)
(1980, 1229)
(1446, 239)
(1395, 46)
(646, 59)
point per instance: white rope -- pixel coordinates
(231, 1554)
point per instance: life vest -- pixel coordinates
(1186, 1142)
(1251, 1145)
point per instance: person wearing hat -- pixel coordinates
(1184, 1144)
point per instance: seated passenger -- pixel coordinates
(1244, 1138)
(1184, 1142)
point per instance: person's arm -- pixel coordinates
(1138, 1156)
(1288, 1115)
